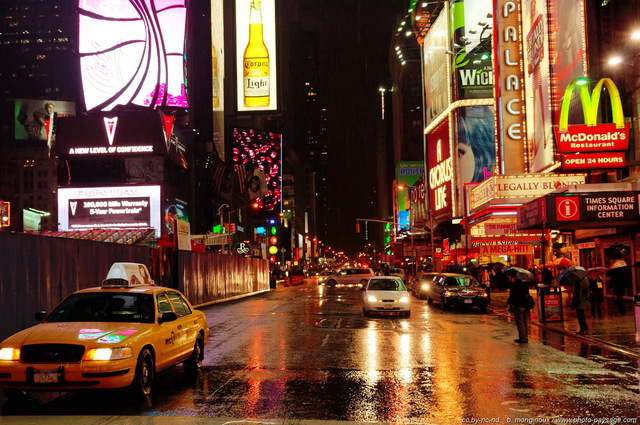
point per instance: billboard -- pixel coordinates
(256, 55)
(217, 75)
(510, 88)
(441, 173)
(120, 135)
(537, 80)
(408, 173)
(472, 29)
(257, 161)
(132, 52)
(36, 120)
(123, 207)
(435, 71)
(568, 55)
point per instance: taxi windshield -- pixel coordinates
(105, 307)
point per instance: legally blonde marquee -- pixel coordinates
(510, 250)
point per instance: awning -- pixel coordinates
(583, 206)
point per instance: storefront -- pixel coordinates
(602, 219)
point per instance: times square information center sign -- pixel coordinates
(573, 210)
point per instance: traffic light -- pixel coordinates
(273, 236)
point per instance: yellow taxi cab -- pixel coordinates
(116, 335)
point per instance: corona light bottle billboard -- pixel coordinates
(256, 61)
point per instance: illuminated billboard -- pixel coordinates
(36, 120)
(217, 75)
(257, 161)
(256, 55)
(441, 173)
(132, 52)
(408, 173)
(537, 80)
(472, 29)
(123, 207)
(435, 68)
(568, 52)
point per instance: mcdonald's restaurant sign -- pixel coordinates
(591, 136)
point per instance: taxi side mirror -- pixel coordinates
(168, 316)
(40, 315)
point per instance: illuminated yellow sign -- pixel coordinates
(590, 103)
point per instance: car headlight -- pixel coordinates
(117, 353)
(450, 294)
(484, 295)
(404, 299)
(425, 286)
(9, 353)
(372, 299)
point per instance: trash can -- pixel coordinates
(550, 303)
(636, 313)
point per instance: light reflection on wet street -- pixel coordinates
(307, 352)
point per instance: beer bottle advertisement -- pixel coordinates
(256, 64)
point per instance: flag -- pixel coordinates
(219, 177)
(257, 184)
(244, 173)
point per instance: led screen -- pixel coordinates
(258, 154)
(132, 52)
(123, 207)
(36, 119)
(256, 60)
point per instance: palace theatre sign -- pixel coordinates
(581, 210)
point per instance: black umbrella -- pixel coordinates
(570, 274)
(519, 273)
(617, 251)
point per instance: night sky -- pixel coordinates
(355, 37)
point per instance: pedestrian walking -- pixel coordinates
(596, 297)
(618, 276)
(518, 303)
(580, 302)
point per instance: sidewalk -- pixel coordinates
(615, 331)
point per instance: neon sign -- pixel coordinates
(592, 137)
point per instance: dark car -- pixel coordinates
(421, 283)
(457, 290)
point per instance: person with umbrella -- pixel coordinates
(518, 300)
(618, 276)
(597, 292)
(577, 277)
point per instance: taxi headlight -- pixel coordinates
(9, 353)
(117, 353)
(404, 299)
(372, 299)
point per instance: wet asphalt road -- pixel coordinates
(308, 353)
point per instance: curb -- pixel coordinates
(621, 349)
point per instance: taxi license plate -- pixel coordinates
(388, 306)
(468, 301)
(46, 376)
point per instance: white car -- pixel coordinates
(386, 294)
(350, 276)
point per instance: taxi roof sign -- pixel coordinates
(127, 274)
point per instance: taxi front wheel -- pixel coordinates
(145, 370)
(194, 362)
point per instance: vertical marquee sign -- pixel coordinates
(510, 103)
(441, 172)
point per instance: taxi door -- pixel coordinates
(188, 323)
(171, 334)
